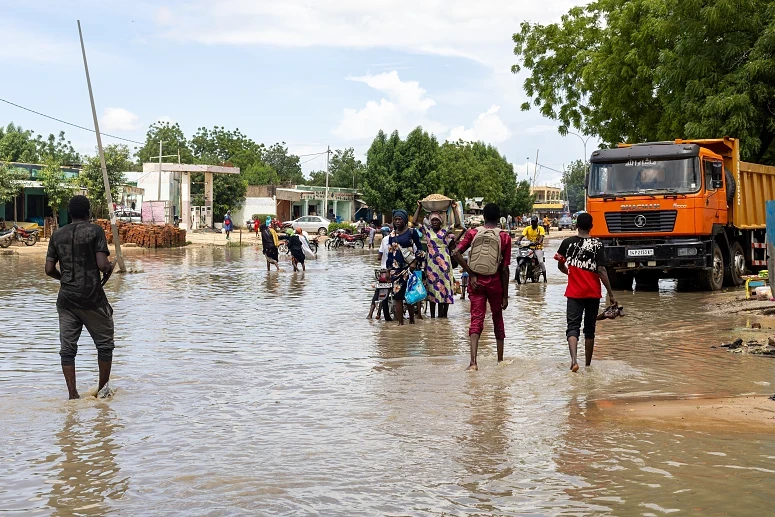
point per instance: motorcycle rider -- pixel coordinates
(535, 233)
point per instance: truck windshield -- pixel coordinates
(634, 177)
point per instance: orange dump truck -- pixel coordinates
(687, 209)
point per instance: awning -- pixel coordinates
(361, 201)
(288, 194)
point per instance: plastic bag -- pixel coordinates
(415, 290)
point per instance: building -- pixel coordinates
(548, 201)
(32, 203)
(302, 200)
(259, 199)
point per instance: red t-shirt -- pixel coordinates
(582, 256)
(468, 237)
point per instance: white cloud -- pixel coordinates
(119, 119)
(477, 30)
(488, 127)
(405, 107)
(163, 16)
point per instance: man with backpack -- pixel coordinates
(488, 262)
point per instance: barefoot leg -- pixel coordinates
(69, 373)
(589, 347)
(573, 343)
(474, 349)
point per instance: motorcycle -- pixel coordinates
(384, 294)
(527, 264)
(28, 237)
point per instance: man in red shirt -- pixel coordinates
(582, 259)
(488, 270)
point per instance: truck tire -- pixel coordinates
(712, 279)
(647, 282)
(733, 274)
(731, 187)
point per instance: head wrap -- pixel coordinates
(401, 213)
(435, 215)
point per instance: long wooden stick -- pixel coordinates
(108, 196)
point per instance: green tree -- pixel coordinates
(57, 186)
(173, 139)
(648, 70)
(17, 145)
(117, 162)
(523, 200)
(58, 149)
(344, 169)
(11, 185)
(380, 178)
(286, 165)
(573, 182)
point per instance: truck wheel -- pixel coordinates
(647, 282)
(733, 275)
(712, 279)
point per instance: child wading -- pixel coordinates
(581, 258)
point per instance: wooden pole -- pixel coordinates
(108, 196)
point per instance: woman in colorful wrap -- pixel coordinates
(438, 268)
(403, 245)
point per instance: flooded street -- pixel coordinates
(246, 392)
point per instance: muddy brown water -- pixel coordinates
(246, 393)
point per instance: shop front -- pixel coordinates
(302, 200)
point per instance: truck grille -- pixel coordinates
(641, 222)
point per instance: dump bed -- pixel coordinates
(755, 186)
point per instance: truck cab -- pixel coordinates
(663, 210)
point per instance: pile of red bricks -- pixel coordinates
(146, 235)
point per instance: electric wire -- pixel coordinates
(70, 123)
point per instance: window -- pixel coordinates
(707, 166)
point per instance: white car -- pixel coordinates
(311, 224)
(128, 215)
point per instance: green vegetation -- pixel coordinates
(332, 227)
(573, 182)
(57, 186)
(117, 161)
(399, 172)
(11, 185)
(649, 70)
(20, 145)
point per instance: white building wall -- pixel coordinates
(255, 205)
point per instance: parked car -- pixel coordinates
(311, 224)
(128, 216)
(566, 223)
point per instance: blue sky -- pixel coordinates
(311, 74)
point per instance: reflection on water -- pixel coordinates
(243, 391)
(86, 469)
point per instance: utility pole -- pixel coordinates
(325, 206)
(108, 196)
(535, 171)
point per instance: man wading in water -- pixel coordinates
(582, 259)
(488, 270)
(82, 252)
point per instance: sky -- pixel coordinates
(311, 74)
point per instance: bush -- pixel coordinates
(262, 217)
(332, 227)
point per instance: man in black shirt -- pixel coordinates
(81, 250)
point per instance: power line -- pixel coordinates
(311, 154)
(313, 157)
(70, 123)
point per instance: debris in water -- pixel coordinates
(752, 347)
(105, 392)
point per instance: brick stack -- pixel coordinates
(146, 235)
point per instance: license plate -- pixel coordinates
(384, 285)
(640, 253)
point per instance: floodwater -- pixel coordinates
(242, 392)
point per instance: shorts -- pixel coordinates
(578, 309)
(99, 324)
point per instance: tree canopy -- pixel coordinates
(573, 182)
(21, 145)
(344, 170)
(117, 161)
(399, 173)
(649, 70)
(57, 186)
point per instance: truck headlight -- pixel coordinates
(687, 252)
